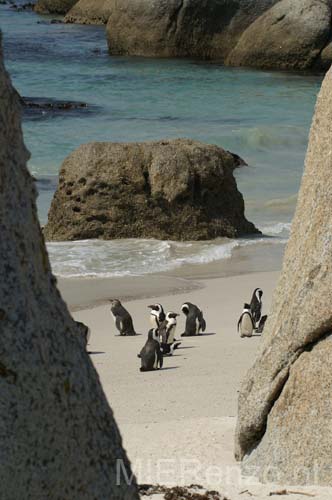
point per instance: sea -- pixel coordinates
(263, 116)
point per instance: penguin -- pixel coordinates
(261, 324)
(246, 324)
(194, 322)
(167, 332)
(157, 315)
(122, 318)
(151, 355)
(256, 305)
(84, 331)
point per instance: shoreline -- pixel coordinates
(89, 292)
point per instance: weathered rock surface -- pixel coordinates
(178, 189)
(284, 420)
(290, 35)
(54, 6)
(58, 435)
(206, 29)
(90, 12)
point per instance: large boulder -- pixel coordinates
(178, 189)
(53, 6)
(206, 29)
(58, 435)
(284, 428)
(89, 12)
(290, 35)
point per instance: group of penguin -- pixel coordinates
(251, 319)
(161, 339)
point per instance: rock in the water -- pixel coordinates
(58, 435)
(90, 12)
(54, 6)
(290, 35)
(207, 29)
(178, 189)
(284, 423)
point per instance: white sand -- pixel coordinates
(178, 423)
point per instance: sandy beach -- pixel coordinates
(178, 423)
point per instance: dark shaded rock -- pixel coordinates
(178, 189)
(58, 434)
(290, 35)
(40, 108)
(54, 6)
(22, 7)
(284, 431)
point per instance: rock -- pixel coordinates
(284, 419)
(290, 35)
(178, 189)
(41, 108)
(23, 7)
(325, 58)
(90, 12)
(54, 6)
(207, 29)
(58, 434)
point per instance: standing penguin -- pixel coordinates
(167, 332)
(256, 305)
(122, 318)
(157, 315)
(194, 322)
(151, 355)
(246, 324)
(84, 331)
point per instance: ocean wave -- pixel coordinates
(269, 136)
(119, 258)
(277, 228)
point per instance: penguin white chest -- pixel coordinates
(154, 321)
(198, 326)
(246, 328)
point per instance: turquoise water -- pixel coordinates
(262, 116)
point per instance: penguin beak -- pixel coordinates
(151, 307)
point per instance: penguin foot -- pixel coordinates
(176, 345)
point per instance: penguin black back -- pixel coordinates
(195, 321)
(151, 355)
(122, 318)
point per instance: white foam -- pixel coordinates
(117, 258)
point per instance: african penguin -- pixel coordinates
(84, 331)
(261, 324)
(245, 324)
(151, 355)
(122, 318)
(167, 332)
(157, 315)
(256, 305)
(194, 322)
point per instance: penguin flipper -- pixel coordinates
(203, 324)
(160, 357)
(118, 324)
